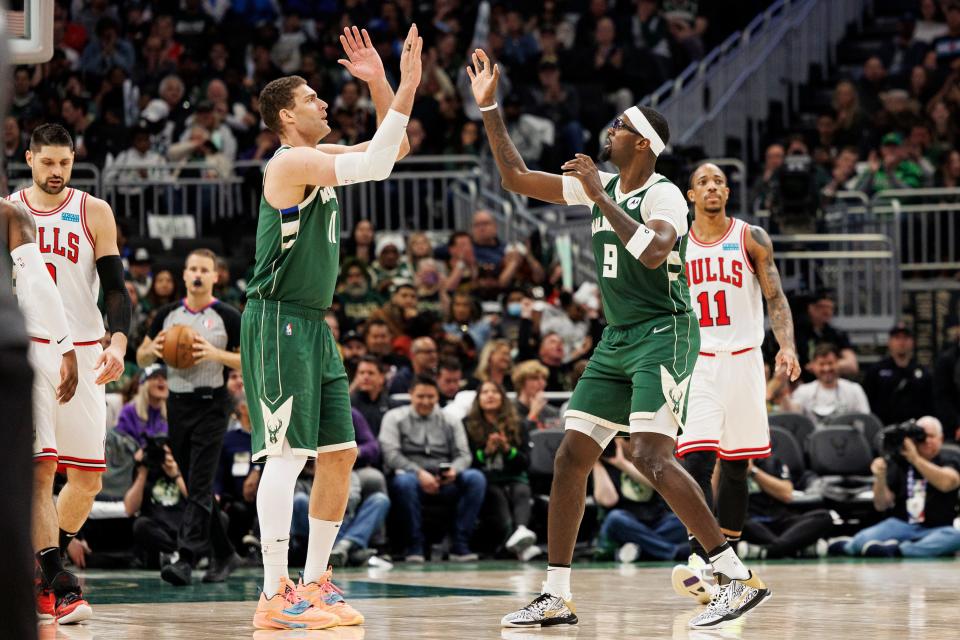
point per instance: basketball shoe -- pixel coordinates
(287, 610)
(46, 601)
(71, 606)
(327, 596)
(692, 580)
(733, 598)
(546, 610)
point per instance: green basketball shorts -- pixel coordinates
(294, 380)
(636, 370)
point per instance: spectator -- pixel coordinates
(24, 100)
(163, 290)
(388, 266)
(352, 347)
(166, 114)
(401, 312)
(532, 135)
(843, 174)
(135, 166)
(898, 387)
(218, 132)
(449, 380)
(486, 245)
(638, 523)
(949, 174)
(851, 120)
(432, 297)
(159, 495)
(946, 389)
(649, 31)
(462, 267)
(368, 392)
(429, 459)
(356, 297)
(947, 46)
(829, 394)
(145, 417)
(520, 49)
(466, 322)
(772, 530)
(361, 244)
(108, 50)
(891, 169)
(14, 147)
(237, 478)
(551, 356)
(494, 365)
(873, 82)
(140, 271)
(930, 26)
(364, 516)
(500, 447)
(918, 489)
(379, 341)
(225, 289)
(570, 322)
(530, 381)
(76, 120)
(815, 329)
(560, 104)
(424, 358)
(765, 188)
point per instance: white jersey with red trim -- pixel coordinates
(725, 291)
(66, 244)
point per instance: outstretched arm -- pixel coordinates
(760, 249)
(514, 174)
(363, 62)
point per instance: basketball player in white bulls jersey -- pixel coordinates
(730, 268)
(77, 237)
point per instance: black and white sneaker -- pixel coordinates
(732, 600)
(546, 610)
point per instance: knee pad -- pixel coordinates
(735, 470)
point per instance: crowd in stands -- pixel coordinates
(452, 343)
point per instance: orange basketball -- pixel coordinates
(178, 346)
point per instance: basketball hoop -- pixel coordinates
(28, 25)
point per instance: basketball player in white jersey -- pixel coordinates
(77, 237)
(730, 269)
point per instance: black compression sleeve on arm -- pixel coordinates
(115, 296)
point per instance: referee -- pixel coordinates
(197, 411)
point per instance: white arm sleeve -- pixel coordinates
(573, 192)
(39, 298)
(377, 161)
(664, 201)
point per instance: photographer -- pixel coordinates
(159, 494)
(918, 487)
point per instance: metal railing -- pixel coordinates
(728, 92)
(862, 270)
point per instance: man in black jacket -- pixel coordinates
(898, 387)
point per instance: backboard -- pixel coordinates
(29, 28)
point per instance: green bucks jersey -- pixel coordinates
(298, 250)
(631, 292)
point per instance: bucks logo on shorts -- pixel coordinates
(275, 424)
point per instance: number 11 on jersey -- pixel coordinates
(707, 319)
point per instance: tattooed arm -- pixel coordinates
(19, 222)
(514, 174)
(760, 249)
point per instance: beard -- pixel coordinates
(46, 188)
(605, 152)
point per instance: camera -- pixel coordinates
(154, 453)
(894, 436)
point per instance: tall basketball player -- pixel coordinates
(639, 375)
(294, 378)
(731, 271)
(77, 236)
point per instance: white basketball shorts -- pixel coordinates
(71, 434)
(727, 411)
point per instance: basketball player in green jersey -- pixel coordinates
(294, 379)
(639, 375)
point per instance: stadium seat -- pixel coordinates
(798, 424)
(950, 452)
(543, 449)
(787, 450)
(839, 450)
(868, 424)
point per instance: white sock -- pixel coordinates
(274, 564)
(727, 563)
(275, 511)
(558, 582)
(323, 533)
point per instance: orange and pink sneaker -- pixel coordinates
(288, 610)
(325, 595)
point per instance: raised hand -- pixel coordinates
(411, 64)
(363, 62)
(483, 78)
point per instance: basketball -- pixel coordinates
(178, 346)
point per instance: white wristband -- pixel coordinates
(640, 240)
(489, 107)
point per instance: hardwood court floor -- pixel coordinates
(826, 600)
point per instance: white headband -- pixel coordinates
(643, 126)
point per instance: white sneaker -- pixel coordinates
(546, 610)
(520, 539)
(529, 553)
(628, 553)
(745, 550)
(731, 601)
(692, 579)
